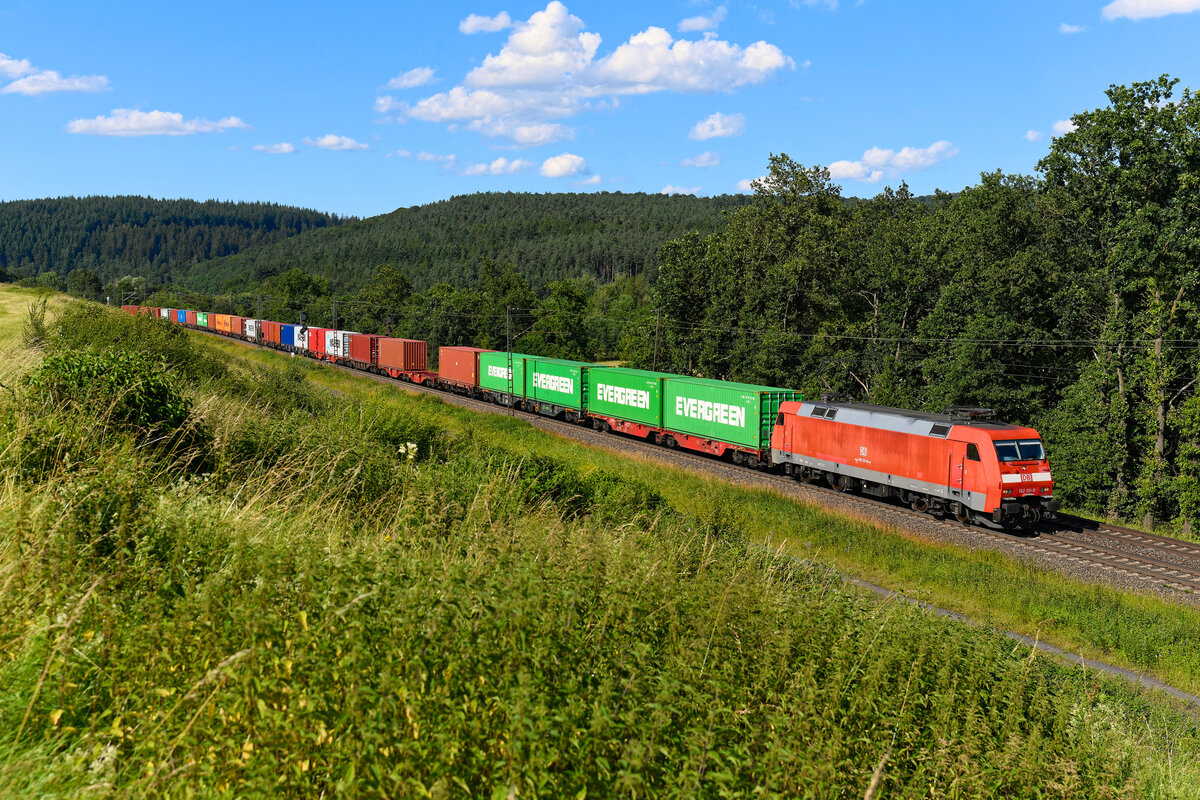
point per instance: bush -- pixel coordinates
(126, 389)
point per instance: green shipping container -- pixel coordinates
(634, 395)
(736, 413)
(558, 382)
(494, 372)
(202, 319)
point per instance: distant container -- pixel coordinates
(180, 316)
(556, 382)
(287, 335)
(503, 372)
(237, 325)
(190, 318)
(337, 344)
(250, 328)
(316, 341)
(460, 365)
(633, 395)
(165, 313)
(270, 331)
(201, 319)
(736, 413)
(130, 309)
(409, 355)
(364, 348)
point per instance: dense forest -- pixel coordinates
(548, 237)
(114, 236)
(1066, 300)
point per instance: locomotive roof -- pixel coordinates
(862, 413)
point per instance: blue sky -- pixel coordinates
(361, 108)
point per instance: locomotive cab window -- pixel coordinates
(1020, 450)
(972, 453)
(779, 419)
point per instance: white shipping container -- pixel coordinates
(337, 343)
(165, 313)
(252, 328)
(302, 338)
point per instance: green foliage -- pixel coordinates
(33, 333)
(126, 388)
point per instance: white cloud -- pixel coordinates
(31, 80)
(277, 149)
(592, 181)
(564, 166)
(1062, 127)
(1033, 136)
(331, 141)
(12, 68)
(878, 162)
(670, 189)
(411, 79)
(479, 24)
(1145, 9)
(1069, 29)
(747, 184)
(550, 68)
(403, 153)
(833, 4)
(702, 160)
(501, 166)
(387, 104)
(128, 122)
(446, 159)
(702, 23)
(718, 125)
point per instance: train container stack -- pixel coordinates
(718, 416)
(201, 319)
(287, 335)
(502, 376)
(270, 332)
(557, 387)
(179, 315)
(458, 368)
(189, 318)
(403, 358)
(627, 400)
(363, 350)
(316, 342)
(250, 328)
(337, 345)
(165, 313)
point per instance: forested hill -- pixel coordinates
(113, 236)
(547, 236)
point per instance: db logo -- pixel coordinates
(1026, 477)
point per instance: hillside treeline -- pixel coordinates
(1068, 301)
(114, 236)
(602, 236)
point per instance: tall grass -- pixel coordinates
(347, 598)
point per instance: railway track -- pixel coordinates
(1151, 559)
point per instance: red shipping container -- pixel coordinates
(270, 331)
(404, 354)
(460, 364)
(316, 340)
(190, 317)
(364, 347)
(237, 325)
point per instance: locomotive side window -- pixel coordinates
(972, 453)
(1020, 450)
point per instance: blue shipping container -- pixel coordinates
(182, 315)
(287, 335)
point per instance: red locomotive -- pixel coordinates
(959, 463)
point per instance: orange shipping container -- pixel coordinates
(404, 354)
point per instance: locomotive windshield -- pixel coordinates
(1020, 450)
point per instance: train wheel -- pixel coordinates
(962, 513)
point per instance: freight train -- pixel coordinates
(961, 463)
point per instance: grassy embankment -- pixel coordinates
(1133, 630)
(259, 588)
